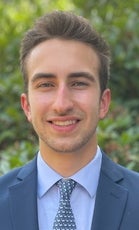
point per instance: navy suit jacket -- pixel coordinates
(116, 207)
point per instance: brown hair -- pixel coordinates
(66, 25)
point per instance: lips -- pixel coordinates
(64, 123)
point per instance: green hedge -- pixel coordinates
(118, 22)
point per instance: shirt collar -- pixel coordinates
(47, 177)
(87, 177)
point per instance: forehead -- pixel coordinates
(62, 55)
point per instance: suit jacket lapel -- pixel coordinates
(23, 199)
(111, 198)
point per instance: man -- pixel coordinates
(65, 65)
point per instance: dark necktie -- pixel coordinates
(64, 219)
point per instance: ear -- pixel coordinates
(105, 103)
(25, 106)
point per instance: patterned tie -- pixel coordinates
(64, 219)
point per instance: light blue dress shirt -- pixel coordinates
(82, 198)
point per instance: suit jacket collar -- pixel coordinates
(23, 199)
(111, 197)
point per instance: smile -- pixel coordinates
(64, 123)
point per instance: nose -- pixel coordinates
(63, 102)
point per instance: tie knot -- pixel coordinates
(66, 187)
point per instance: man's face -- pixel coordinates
(64, 102)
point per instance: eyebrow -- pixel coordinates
(38, 76)
(82, 74)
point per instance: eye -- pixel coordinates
(79, 84)
(46, 85)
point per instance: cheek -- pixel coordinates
(91, 108)
(38, 105)
(89, 103)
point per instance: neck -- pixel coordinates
(67, 164)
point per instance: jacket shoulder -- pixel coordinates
(120, 174)
(9, 178)
(16, 175)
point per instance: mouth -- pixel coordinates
(64, 123)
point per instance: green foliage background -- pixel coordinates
(118, 21)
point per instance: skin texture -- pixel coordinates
(64, 102)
